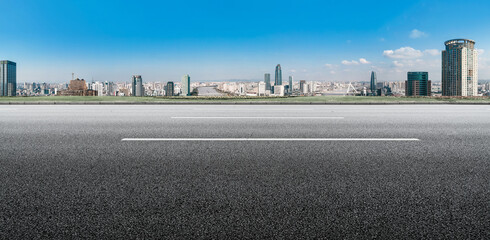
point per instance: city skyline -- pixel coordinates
(459, 68)
(338, 43)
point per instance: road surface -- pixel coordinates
(251, 171)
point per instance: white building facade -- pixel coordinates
(460, 68)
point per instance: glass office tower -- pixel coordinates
(460, 68)
(137, 86)
(8, 78)
(278, 79)
(186, 85)
(169, 89)
(303, 87)
(267, 80)
(373, 83)
(418, 84)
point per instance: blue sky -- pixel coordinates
(222, 40)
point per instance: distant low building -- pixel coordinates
(241, 89)
(279, 90)
(123, 92)
(77, 87)
(261, 89)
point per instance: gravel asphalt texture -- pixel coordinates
(66, 174)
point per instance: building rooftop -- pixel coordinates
(459, 40)
(7, 62)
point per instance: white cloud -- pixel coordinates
(432, 52)
(410, 53)
(328, 65)
(332, 72)
(353, 62)
(417, 34)
(397, 64)
(480, 51)
(364, 61)
(403, 53)
(292, 70)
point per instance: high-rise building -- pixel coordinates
(374, 80)
(303, 88)
(290, 89)
(460, 68)
(186, 85)
(278, 79)
(137, 86)
(418, 84)
(8, 78)
(110, 88)
(267, 80)
(169, 89)
(261, 89)
(99, 87)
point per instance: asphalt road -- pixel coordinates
(66, 173)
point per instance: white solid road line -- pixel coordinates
(267, 139)
(258, 117)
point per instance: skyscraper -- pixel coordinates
(186, 85)
(137, 86)
(8, 78)
(267, 80)
(169, 89)
(460, 68)
(290, 89)
(278, 79)
(373, 83)
(303, 88)
(418, 84)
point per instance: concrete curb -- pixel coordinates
(236, 103)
